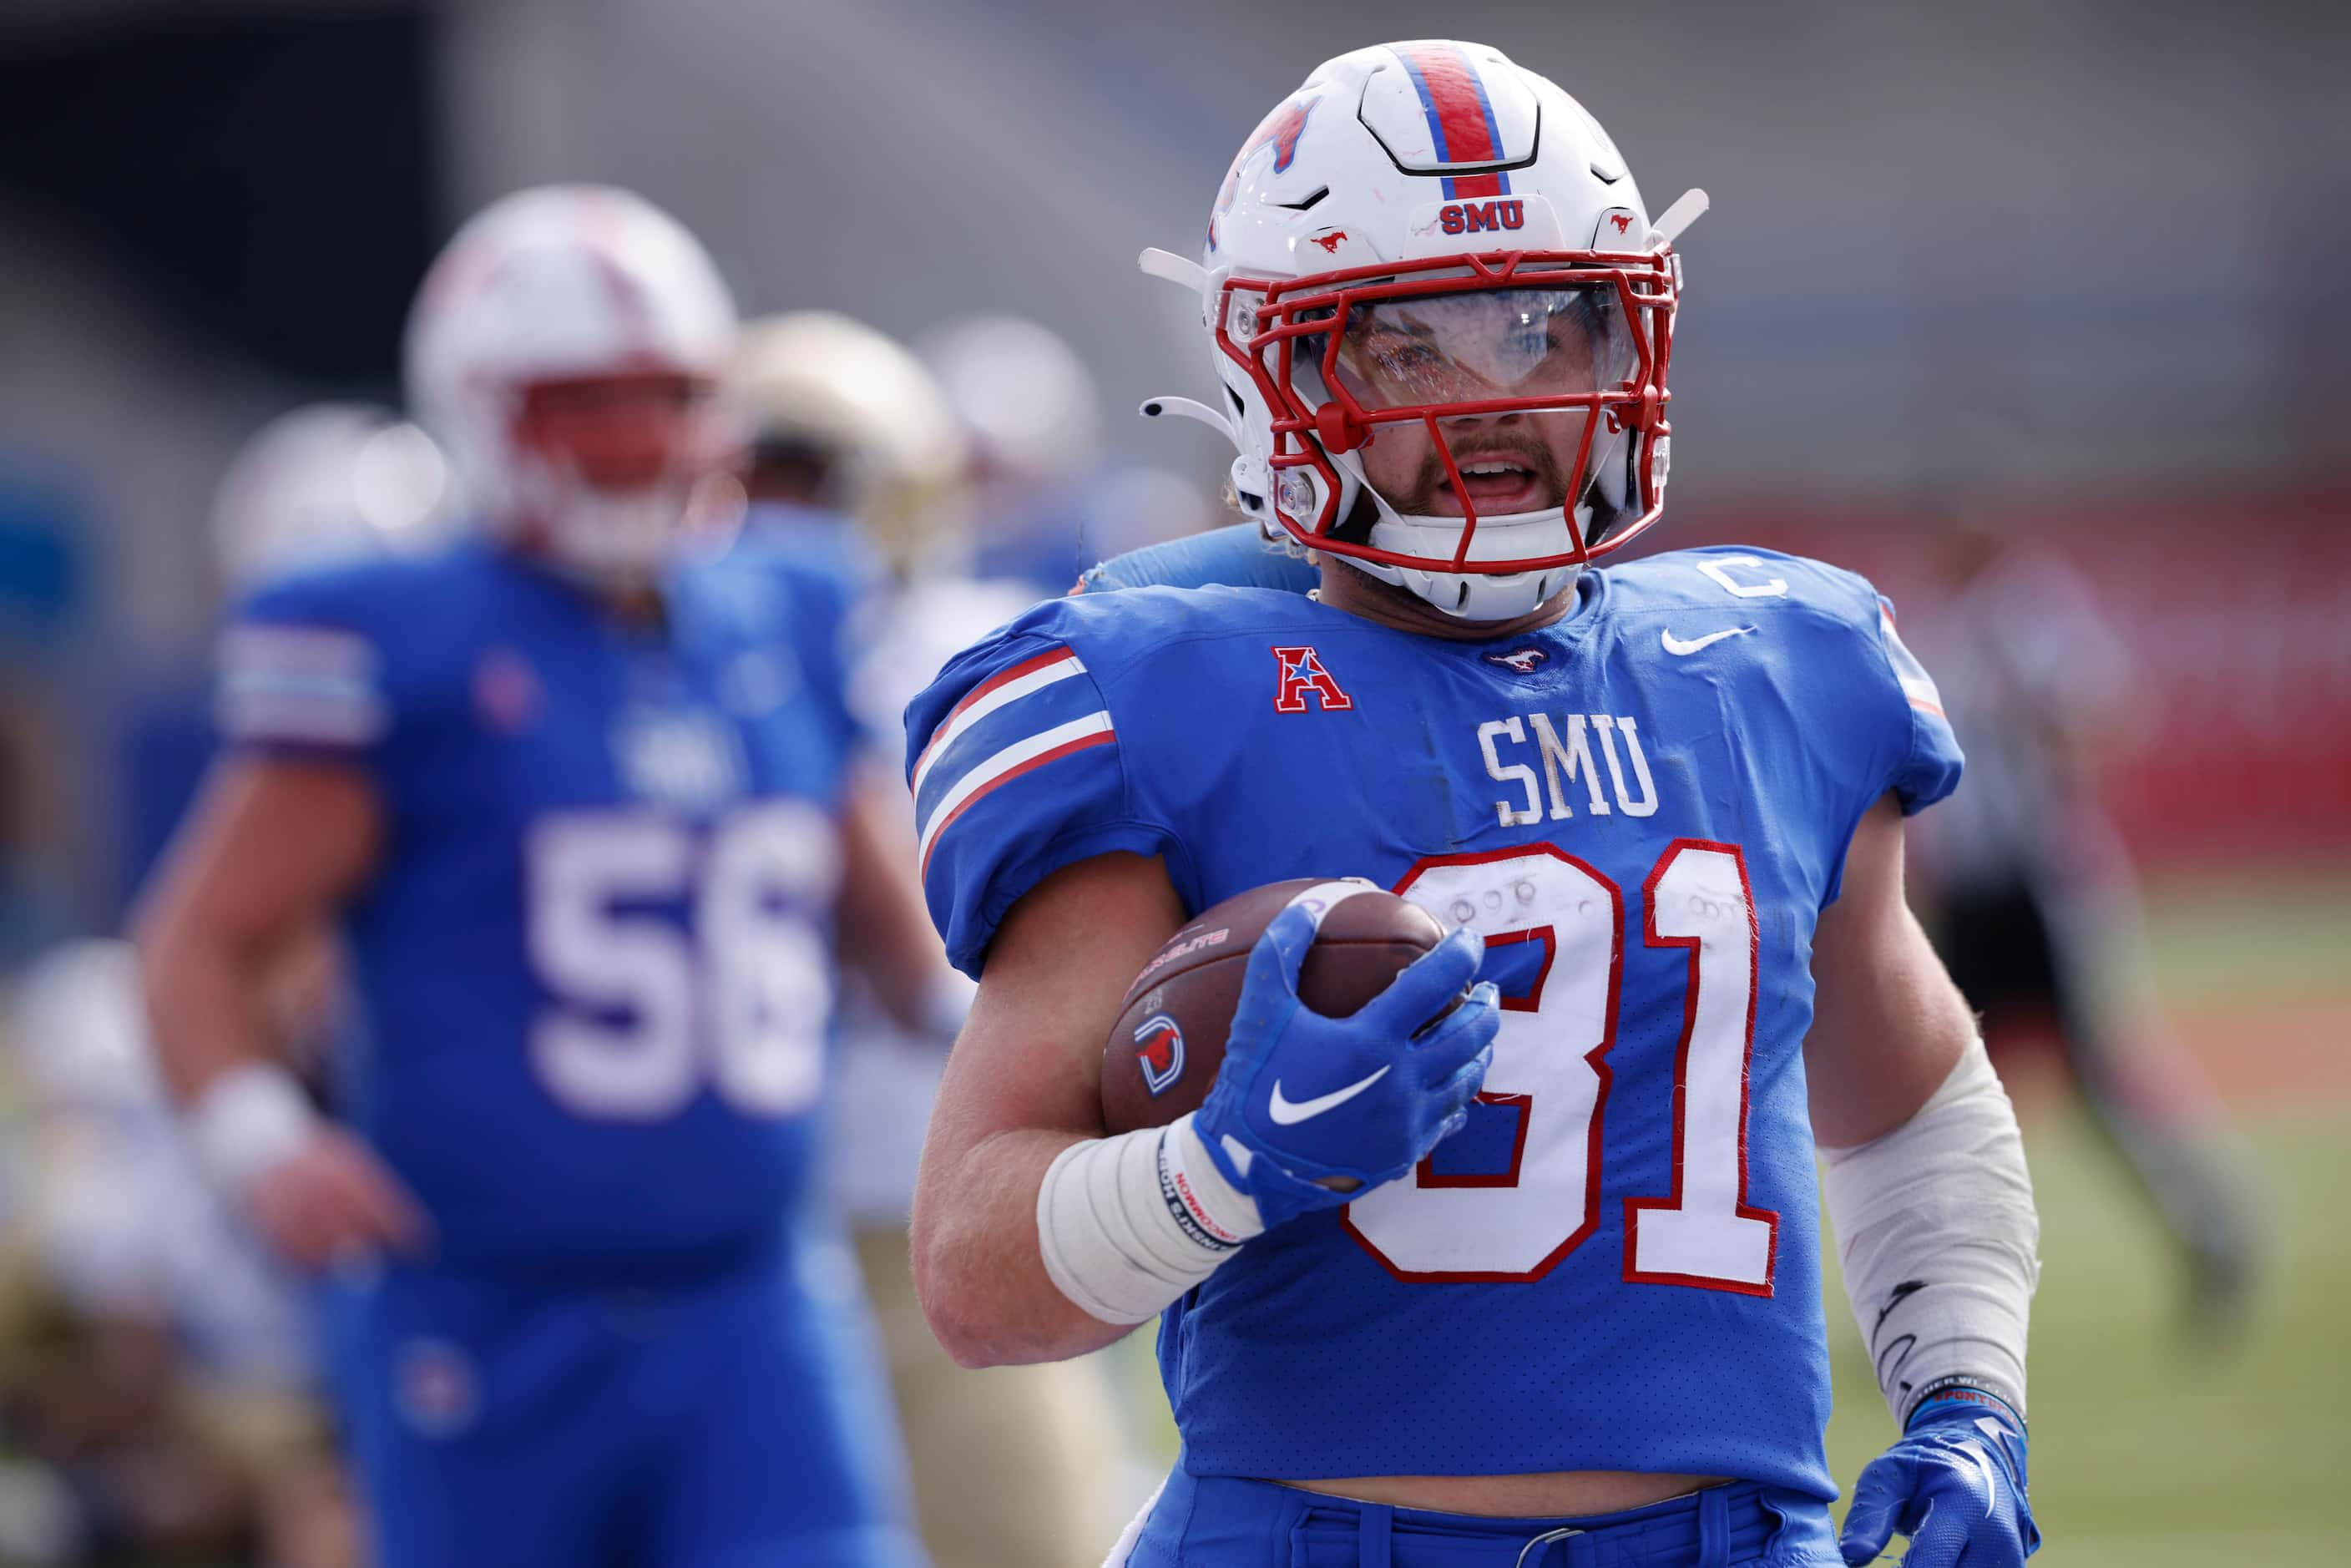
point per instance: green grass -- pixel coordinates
(2277, 937)
(2144, 1451)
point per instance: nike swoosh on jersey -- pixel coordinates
(1676, 646)
(1288, 1113)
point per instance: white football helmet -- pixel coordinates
(328, 482)
(565, 283)
(1442, 317)
(1022, 392)
(871, 416)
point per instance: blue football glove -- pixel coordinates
(1302, 1098)
(1954, 1485)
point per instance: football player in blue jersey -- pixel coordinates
(1540, 1285)
(575, 791)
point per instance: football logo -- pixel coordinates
(1522, 660)
(1280, 131)
(1301, 672)
(1331, 242)
(436, 1388)
(508, 697)
(1159, 1047)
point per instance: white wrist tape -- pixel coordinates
(1127, 1224)
(1939, 1240)
(247, 1122)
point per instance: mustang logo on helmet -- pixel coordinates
(1280, 131)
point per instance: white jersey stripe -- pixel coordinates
(963, 718)
(300, 718)
(1004, 762)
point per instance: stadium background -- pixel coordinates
(2078, 264)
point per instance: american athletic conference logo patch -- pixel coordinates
(435, 1387)
(1159, 1049)
(1302, 674)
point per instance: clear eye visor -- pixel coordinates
(1465, 386)
(1489, 346)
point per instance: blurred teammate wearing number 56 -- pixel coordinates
(1542, 1285)
(574, 790)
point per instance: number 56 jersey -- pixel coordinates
(1643, 807)
(592, 960)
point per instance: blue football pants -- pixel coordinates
(1222, 1522)
(723, 1423)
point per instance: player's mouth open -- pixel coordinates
(1496, 485)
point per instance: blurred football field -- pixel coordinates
(2149, 1450)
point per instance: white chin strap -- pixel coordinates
(1475, 596)
(1512, 536)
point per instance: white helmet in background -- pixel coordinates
(328, 482)
(569, 283)
(1028, 400)
(1490, 413)
(862, 412)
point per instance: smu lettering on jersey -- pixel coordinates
(1643, 808)
(591, 959)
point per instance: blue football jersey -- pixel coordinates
(592, 960)
(1643, 807)
(1238, 554)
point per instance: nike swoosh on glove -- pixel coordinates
(1954, 1484)
(1361, 1098)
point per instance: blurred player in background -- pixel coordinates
(855, 453)
(322, 484)
(2032, 895)
(157, 1356)
(1042, 502)
(1407, 1267)
(178, 1381)
(575, 791)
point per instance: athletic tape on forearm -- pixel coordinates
(1939, 1240)
(1127, 1224)
(248, 1121)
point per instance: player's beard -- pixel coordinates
(1543, 485)
(624, 538)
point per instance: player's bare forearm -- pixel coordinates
(268, 851)
(1887, 1023)
(884, 932)
(976, 1268)
(1022, 1086)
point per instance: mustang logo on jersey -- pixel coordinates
(1302, 672)
(1159, 1047)
(1523, 660)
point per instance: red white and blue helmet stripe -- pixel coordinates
(1460, 116)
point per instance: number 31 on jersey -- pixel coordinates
(1551, 1069)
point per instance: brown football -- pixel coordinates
(1164, 1052)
